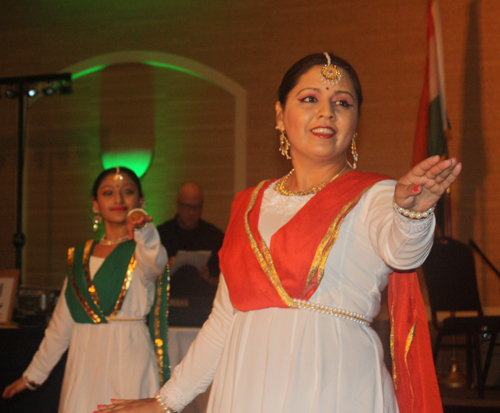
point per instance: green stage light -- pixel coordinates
(176, 68)
(87, 71)
(137, 160)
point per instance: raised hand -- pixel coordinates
(136, 218)
(426, 182)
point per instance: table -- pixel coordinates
(179, 340)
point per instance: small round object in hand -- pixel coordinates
(136, 214)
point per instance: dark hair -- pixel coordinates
(293, 74)
(111, 171)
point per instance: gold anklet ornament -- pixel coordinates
(280, 186)
(408, 213)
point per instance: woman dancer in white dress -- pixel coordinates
(303, 264)
(110, 348)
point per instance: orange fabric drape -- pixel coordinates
(414, 374)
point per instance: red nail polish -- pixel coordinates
(416, 188)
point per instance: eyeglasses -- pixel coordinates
(190, 207)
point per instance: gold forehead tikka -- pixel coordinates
(118, 176)
(330, 73)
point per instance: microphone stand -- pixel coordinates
(483, 256)
(455, 378)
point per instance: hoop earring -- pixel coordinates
(284, 144)
(96, 220)
(354, 152)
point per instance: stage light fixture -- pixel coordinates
(65, 88)
(48, 91)
(17, 87)
(31, 92)
(10, 93)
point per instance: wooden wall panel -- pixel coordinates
(254, 42)
(187, 122)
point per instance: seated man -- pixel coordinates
(192, 289)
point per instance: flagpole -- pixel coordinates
(432, 134)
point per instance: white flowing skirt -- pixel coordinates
(114, 360)
(317, 363)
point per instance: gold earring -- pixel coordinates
(284, 144)
(96, 220)
(354, 152)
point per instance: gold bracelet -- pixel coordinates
(408, 213)
(29, 384)
(162, 404)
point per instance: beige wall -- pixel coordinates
(253, 43)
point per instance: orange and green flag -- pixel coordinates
(432, 123)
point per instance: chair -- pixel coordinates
(450, 275)
(9, 280)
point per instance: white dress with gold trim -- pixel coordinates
(113, 360)
(279, 360)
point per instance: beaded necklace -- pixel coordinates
(113, 241)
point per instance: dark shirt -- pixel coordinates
(191, 297)
(204, 237)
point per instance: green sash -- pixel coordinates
(158, 325)
(92, 300)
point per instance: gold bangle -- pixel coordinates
(408, 213)
(162, 404)
(29, 384)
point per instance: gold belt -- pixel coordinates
(337, 312)
(125, 319)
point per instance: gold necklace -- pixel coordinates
(280, 185)
(113, 241)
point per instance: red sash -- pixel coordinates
(295, 246)
(413, 370)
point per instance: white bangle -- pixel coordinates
(162, 404)
(408, 213)
(29, 384)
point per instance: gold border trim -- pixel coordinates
(91, 287)
(264, 257)
(319, 261)
(409, 340)
(126, 285)
(328, 241)
(393, 350)
(86, 271)
(158, 339)
(93, 316)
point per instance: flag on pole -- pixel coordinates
(432, 123)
